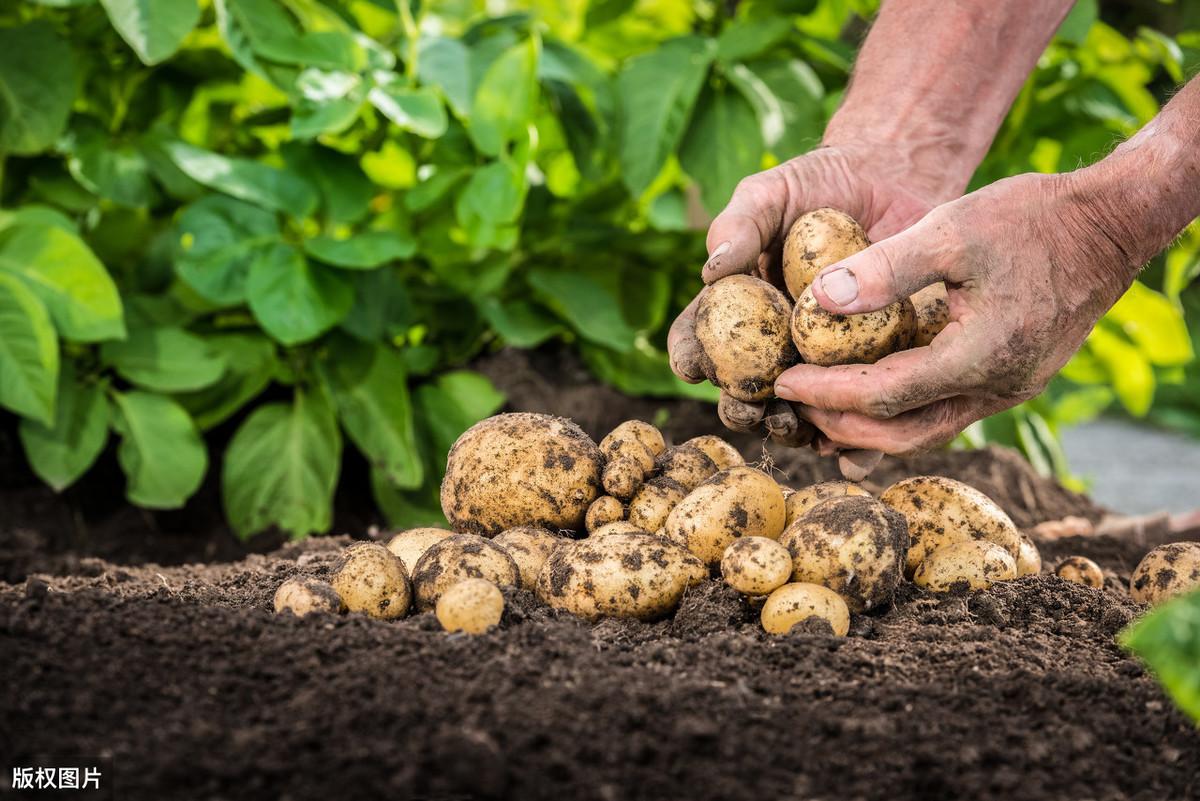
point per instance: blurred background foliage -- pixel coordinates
(240, 235)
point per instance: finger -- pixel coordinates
(746, 227)
(738, 415)
(856, 465)
(911, 432)
(785, 427)
(683, 349)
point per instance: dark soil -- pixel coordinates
(187, 681)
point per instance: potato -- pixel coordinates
(409, 545)
(1165, 572)
(932, 307)
(855, 546)
(824, 338)
(941, 511)
(686, 465)
(618, 527)
(815, 241)
(618, 575)
(648, 509)
(369, 578)
(519, 469)
(742, 328)
(529, 547)
(472, 605)
(1080, 570)
(723, 454)
(460, 557)
(739, 502)
(623, 477)
(634, 438)
(801, 500)
(977, 563)
(605, 509)
(1029, 559)
(301, 595)
(756, 565)
(797, 602)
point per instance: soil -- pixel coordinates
(182, 676)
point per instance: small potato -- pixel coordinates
(742, 328)
(941, 511)
(301, 595)
(815, 241)
(618, 575)
(369, 578)
(756, 565)
(1165, 572)
(460, 557)
(739, 502)
(529, 547)
(649, 508)
(932, 307)
(1029, 559)
(410, 545)
(855, 546)
(801, 500)
(472, 605)
(623, 476)
(617, 527)
(797, 602)
(723, 454)
(688, 466)
(824, 338)
(605, 509)
(1080, 570)
(634, 438)
(977, 563)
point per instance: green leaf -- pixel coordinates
(262, 29)
(787, 95)
(1168, 641)
(1131, 375)
(446, 64)
(722, 146)
(520, 323)
(327, 103)
(281, 467)
(28, 352)
(504, 101)
(416, 110)
(219, 238)
(589, 300)
(382, 307)
(369, 386)
(643, 370)
(161, 452)
(37, 87)
(656, 92)
(494, 196)
(345, 191)
(153, 28)
(166, 359)
(244, 179)
(113, 170)
(454, 402)
(1082, 405)
(1075, 27)
(63, 451)
(427, 193)
(1154, 324)
(293, 299)
(746, 38)
(404, 510)
(249, 363)
(365, 250)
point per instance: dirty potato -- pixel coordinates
(1029, 559)
(301, 595)
(622, 477)
(824, 338)
(410, 545)
(460, 557)
(472, 606)
(371, 579)
(932, 307)
(636, 439)
(518, 469)
(742, 328)
(739, 502)
(756, 565)
(648, 509)
(723, 454)
(1165, 572)
(797, 602)
(686, 465)
(855, 546)
(1080, 570)
(618, 527)
(605, 509)
(801, 500)
(977, 564)
(529, 547)
(618, 575)
(815, 241)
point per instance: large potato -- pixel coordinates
(742, 327)
(941, 511)
(723, 454)
(371, 579)
(756, 565)
(975, 563)
(855, 546)
(801, 500)
(825, 338)
(932, 306)
(409, 546)
(1165, 572)
(649, 508)
(797, 602)
(460, 557)
(521, 469)
(529, 547)
(618, 575)
(815, 241)
(739, 502)
(686, 465)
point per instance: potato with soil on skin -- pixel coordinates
(605, 509)
(410, 545)
(1165, 572)
(855, 546)
(941, 511)
(976, 563)
(825, 338)
(457, 558)
(629, 451)
(618, 527)
(371, 579)
(472, 606)
(739, 502)
(1029, 558)
(797, 602)
(932, 307)
(816, 240)
(521, 469)
(649, 508)
(800, 501)
(529, 547)
(301, 595)
(686, 465)
(723, 455)
(745, 342)
(1080, 570)
(756, 565)
(618, 575)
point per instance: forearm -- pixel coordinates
(934, 80)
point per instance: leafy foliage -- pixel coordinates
(1168, 640)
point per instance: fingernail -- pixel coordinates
(715, 257)
(841, 286)
(784, 391)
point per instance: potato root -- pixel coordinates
(529, 547)
(409, 546)
(605, 509)
(460, 557)
(976, 564)
(649, 508)
(797, 602)
(825, 338)
(756, 565)
(745, 342)
(472, 606)
(1165, 572)
(371, 579)
(301, 595)
(739, 502)
(932, 307)
(815, 241)
(800, 501)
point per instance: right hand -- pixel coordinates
(866, 182)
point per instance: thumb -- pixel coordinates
(746, 227)
(882, 274)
